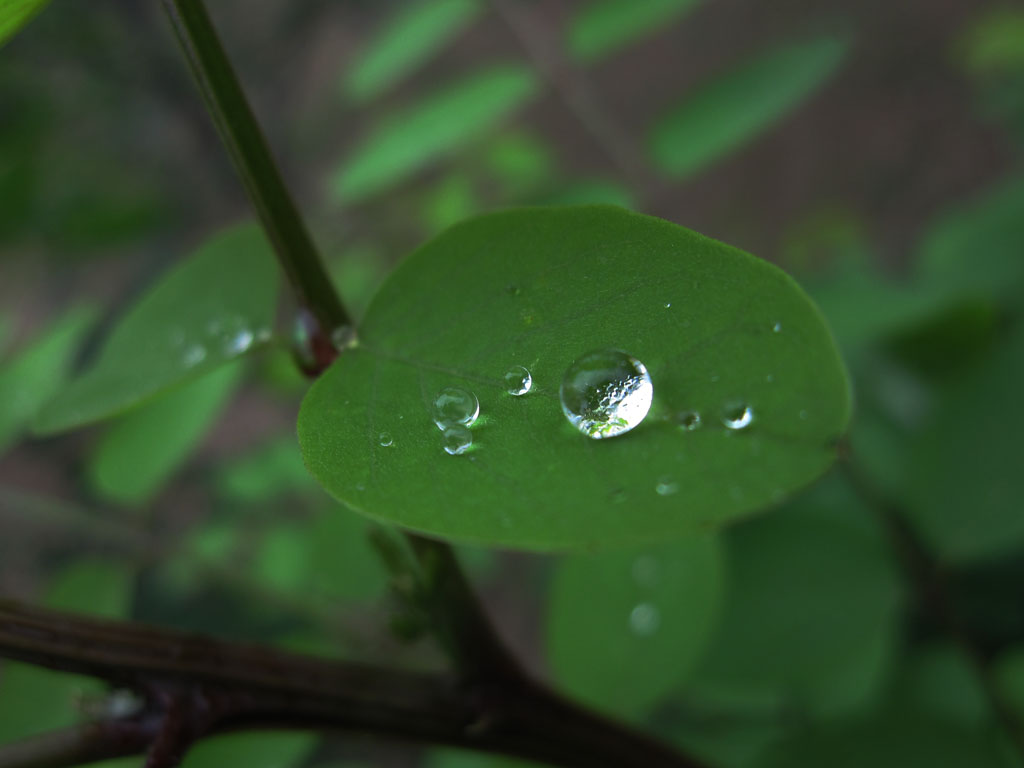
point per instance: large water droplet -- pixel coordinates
(606, 393)
(454, 406)
(385, 439)
(644, 619)
(737, 415)
(457, 439)
(518, 381)
(688, 420)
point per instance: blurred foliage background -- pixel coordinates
(870, 148)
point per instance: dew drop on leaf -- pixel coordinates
(737, 416)
(518, 381)
(457, 439)
(606, 393)
(194, 355)
(343, 337)
(666, 487)
(385, 439)
(644, 619)
(455, 407)
(688, 420)
(240, 342)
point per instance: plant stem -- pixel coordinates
(930, 583)
(244, 140)
(235, 687)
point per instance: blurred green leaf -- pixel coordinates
(252, 750)
(965, 478)
(994, 41)
(451, 200)
(438, 125)
(519, 162)
(626, 628)
(889, 741)
(541, 288)
(811, 609)
(15, 14)
(603, 27)
(356, 273)
(267, 473)
(589, 192)
(327, 558)
(731, 109)
(1008, 676)
(407, 40)
(942, 682)
(212, 308)
(975, 249)
(140, 451)
(35, 700)
(35, 374)
(457, 758)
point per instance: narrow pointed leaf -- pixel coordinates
(407, 40)
(540, 288)
(440, 124)
(15, 14)
(727, 111)
(603, 27)
(214, 307)
(142, 450)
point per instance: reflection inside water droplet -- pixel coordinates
(457, 439)
(518, 381)
(644, 619)
(454, 406)
(385, 439)
(737, 415)
(606, 393)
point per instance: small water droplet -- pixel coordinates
(194, 355)
(666, 487)
(668, 305)
(457, 439)
(646, 571)
(803, 415)
(688, 420)
(238, 343)
(777, 328)
(343, 337)
(737, 416)
(454, 406)
(518, 380)
(644, 619)
(385, 439)
(769, 378)
(606, 393)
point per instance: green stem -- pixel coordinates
(248, 148)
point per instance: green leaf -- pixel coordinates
(415, 34)
(439, 125)
(728, 111)
(540, 288)
(266, 473)
(943, 682)
(626, 628)
(889, 741)
(34, 700)
(15, 14)
(1008, 675)
(457, 758)
(253, 750)
(994, 42)
(32, 377)
(603, 27)
(810, 615)
(214, 307)
(142, 450)
(965, 479)
(975, 249)
(589, 192)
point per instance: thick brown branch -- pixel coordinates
(234, 687)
